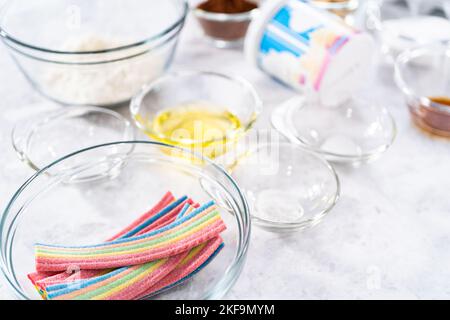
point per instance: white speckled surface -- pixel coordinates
(387, 238)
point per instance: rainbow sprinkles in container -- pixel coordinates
(309, 49)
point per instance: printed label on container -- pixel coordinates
(299, 42)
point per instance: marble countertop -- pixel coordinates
(388, 237)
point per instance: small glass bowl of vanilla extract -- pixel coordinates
(423, 75)
(205, 112)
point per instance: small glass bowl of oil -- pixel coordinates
(205, 112)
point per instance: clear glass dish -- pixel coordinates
(44, 138)
(356, 132)
(342, 8)
(46, 209)
(92, 52)
(423, 76)
(224, 30)
(400, 25)
(219, 92)
(288, 188)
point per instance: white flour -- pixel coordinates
(106, 83)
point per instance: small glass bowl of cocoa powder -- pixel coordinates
(225, 22)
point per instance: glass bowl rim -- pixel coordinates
(137, 100)
(225, 17)
(413, 53)
(57, 115)
(4, 35)
(339, 5)
(373, 14)
(229, 277)
(303, 224)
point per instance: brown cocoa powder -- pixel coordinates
(226, 30)
(227, 6)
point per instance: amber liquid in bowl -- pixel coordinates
(433, 120)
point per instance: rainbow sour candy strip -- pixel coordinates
(198, 227)
(64, 277)
(160, 277)
(166, 219)
(195, 261)
(45, 277)
(119, 283)
(165, 204)
(131, 288)
(167, 199)
(84, 274)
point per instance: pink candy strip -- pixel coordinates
(182, 271)
(164, 202)
(205, 234)
(43, 279)
(130, 292)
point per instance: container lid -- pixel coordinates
(346, 71)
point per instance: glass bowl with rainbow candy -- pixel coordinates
(61, 210)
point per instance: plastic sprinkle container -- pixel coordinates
(309, 49)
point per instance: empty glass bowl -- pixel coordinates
(47, 137)
(400, 25)
(91, 51)
(47, 210)
(206, 112)
(287, 187)
(423, 76)
(356, 132)
(342, 8)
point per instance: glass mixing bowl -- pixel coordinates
(288, 188)
(355, 132)
(342, 8)
(92, 51)
(49, 136)
(233, 99)
(47, 209)
(423, 76)
(400, 25)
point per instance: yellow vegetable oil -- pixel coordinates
(198, 126)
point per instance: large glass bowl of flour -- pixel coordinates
(91, 51)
